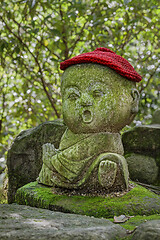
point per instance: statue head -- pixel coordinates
(96, 98)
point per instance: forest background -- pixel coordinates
(36, 35)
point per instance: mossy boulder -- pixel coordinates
(138, 201)
(143, 139)
(142, 168)
(142, 152)
(24, 159)
(149, 230)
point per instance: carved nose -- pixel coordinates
(85, 100)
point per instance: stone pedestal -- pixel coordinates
(138, 201)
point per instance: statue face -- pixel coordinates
(95, 99)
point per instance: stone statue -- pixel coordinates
(99, 98)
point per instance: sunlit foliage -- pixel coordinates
(36, 35)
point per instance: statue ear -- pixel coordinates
(135, 96)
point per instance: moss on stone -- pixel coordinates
(96, 85)
(24, 158)
(3, 198)
(138, 201)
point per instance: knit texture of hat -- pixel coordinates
(105, 56)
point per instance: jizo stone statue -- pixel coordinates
(99, 98)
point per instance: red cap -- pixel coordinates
(108, 58)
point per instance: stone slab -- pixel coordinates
(23, 222)
(138, 201)
(142, 152)
(24, 159)
(144, 139)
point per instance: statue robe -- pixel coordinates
(77, 157)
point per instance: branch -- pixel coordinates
(78, 38)
(40, 69)
(64, 35)
(81, 32)
(3, 109)
(45, 89)
(142, 87)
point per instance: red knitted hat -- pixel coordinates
(108, 58)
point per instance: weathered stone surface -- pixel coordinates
(138, 201)
(97, 103)
(148, 231)
(97, 99)
(142, 168)
(143, 140)
(22, 222)
(24, 159)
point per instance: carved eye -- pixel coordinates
(73, 96)
(97, 93)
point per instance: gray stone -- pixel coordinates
(142, 168)
(95, 108)
(143, 140)
(24, 159)
(148, 231)
(22, 222)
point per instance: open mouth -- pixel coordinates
(87, 116)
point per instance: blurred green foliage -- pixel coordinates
(36, 35)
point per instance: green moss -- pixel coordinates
(139, 201)
(3, 198)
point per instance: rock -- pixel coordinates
(138, 201)
(22, 222)
(144, 141)
(24, 159)
(142, 168)
(148, 231)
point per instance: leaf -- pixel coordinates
(121, 218)
(95, 24)
(45, 42)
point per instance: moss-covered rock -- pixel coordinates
(143, 139)
(2, 196)
(149, 230)
(142, 152)
(142, 168)
(24, 159)
(138, 201)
